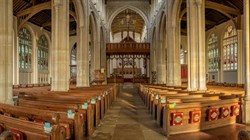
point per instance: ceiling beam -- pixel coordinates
(34, 9)
(46, 24)
(221, 7)
(207, 21)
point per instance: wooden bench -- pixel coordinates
(102, 100)
(23, 129)
(160, 102)
(70, 97)
(192, 117)
(62, 101)
(42, 116)
(86, 115)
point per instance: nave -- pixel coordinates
(129, 119)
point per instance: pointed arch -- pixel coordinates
(116, 12)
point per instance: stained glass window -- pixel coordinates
(230, 47)
(42, 54)
(213, 53)
(25, 49)
(73, 62)
(182, 56)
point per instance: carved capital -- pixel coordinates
(198, 2)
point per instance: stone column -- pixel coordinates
(97, 47)
(108, 68)
(246, 117)
(152, 58)
(170, 54)
(60, 45)
(6, 53)
(177, 62)
(161, 64)
(158, 62)
(34, 61)
(15, 53)
(240, 57)
(174, 66)
(196, 45)
(82, 57)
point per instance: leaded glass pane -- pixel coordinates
(230, 43)
(212, 56)
(25, 49)
(42, 49)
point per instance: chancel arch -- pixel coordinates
(119, 10)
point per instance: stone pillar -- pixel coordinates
(60, 45)
(34, 61)
(6, 53)
(158, 62)
(82, 57)
(152, 58)
(174, 66)
(170, 59)
(177, 64)
(15, 54)
(240, 57)
(108, 68)
(161, 65)
(246, 115)
(97, 47)
(196, 45)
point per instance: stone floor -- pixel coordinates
(128, 119)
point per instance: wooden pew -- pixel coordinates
(107, 100)
(75, 96)
(79, 97)
(86, 115)
(23, 129)
(42, 116)
(192, 117)
(148, 94)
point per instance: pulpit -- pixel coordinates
(99, 76)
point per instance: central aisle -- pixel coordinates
(128, 119)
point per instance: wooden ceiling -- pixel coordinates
(128, 20)
(42, 18)
(106, 1)
(216, 12)
(214, 16)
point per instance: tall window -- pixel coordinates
(213, 53)
(182, 56)
(25, 49)
(73, 62)
(42, 54)
(230, 47)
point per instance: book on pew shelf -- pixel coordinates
(47, 127)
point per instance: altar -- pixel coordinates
(128, 61)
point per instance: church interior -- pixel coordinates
(124, 69)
